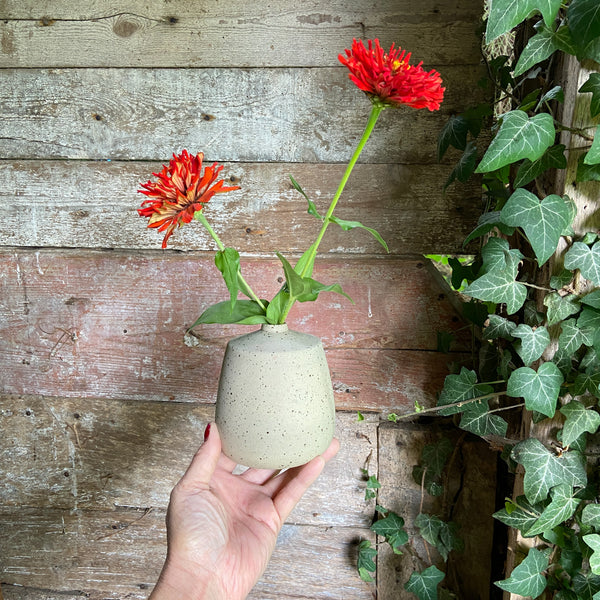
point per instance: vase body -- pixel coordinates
(275, 406)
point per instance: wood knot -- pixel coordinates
(46, 21)
(124, 28)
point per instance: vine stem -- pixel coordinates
(376, 110)
(199, 215)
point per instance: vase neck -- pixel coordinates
(274, 328)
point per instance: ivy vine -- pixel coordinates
(533, 288)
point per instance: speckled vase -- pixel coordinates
(275, 406)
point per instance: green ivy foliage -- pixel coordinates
(540, 317)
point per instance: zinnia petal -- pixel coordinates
(180, 190)
(389, 79)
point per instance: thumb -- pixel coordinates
(204, 463)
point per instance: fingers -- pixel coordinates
(205, 461)
(290, 486)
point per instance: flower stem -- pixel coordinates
(375, 112)
(199, 215)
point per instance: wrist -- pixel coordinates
(179, 583)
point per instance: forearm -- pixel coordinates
(175, 583)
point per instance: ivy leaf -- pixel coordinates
(540, 389)
(592, 299)
(587, 260)
(477, 419)
(579, 420)
(520, 515)
(593, 541)
(497, 256)
(392, 529)
(538, 48)
(454, 133)
(553, 158)
(543, 222)
(587, 382)
(461, 388)
(561, 508)
(583, 19)
(560, 307)
(438, 533)
(518, 137)
(245, 312)
(589, 317)
(487, 222)
(587, 172)
(365, 563)
(498, 287)
(592, 156)
(592, 85)
(545, 470)
(435, 456)
(533, 342)
(348, 225)
(527, 578)
(555, 93)
(561, 279)
(591, 515)
(465, 167)
(585, 585)
(499, 327)
(572, 337)
(424, 585)
(505, 14)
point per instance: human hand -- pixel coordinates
(222, 528)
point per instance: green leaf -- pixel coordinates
(348, 225)
(506, 14)
(297, 286)
(312, 209)
(587, 382)
(316, 288)
(440, 534)
(228, 262)
(365, 563)
(593, 541)
(543, 222)
(520, 515)
(499, 327)
(591, 515)
(561, 508)
(245, 312)
(592, 156)
(579, 420)
(431, 483)
(561, 279)
(587, 260)
(560, 307)
(477, 419)
(592, 86)
(592, 299)
(465, 167)
(587, 172)
(553, 158)
(589, 317)
(533, 342)
(461, 388)
(498, 256)
(583, 19)
(454, 133)
(572, 337)
(499, 287)
(527, 578)
(424, 585)
(545, 470)
(555, 93)
(518, 137)
(585, 585)
(538, 48)
(540, 389)
(392, 529)
(435, 456)
(487, 222)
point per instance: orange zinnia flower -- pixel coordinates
(181, 190)
(388, 79)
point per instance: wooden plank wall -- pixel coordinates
(102, 400)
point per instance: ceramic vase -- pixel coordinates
(275, 406)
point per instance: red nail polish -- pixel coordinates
(207, 432)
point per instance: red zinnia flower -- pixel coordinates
(389, 79)
(180, 191)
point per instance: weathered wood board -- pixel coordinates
(81, 204)
(146, 33)
(111, 325)
(92, 454)
(279, 114)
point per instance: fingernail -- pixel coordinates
(207, 432)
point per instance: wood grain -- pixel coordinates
(111, 325)
(119, 554)
(154, 34)
(70, 454)
(92, 205)
(279, 114)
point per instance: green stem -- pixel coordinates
(375, 112)
(199, 215)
